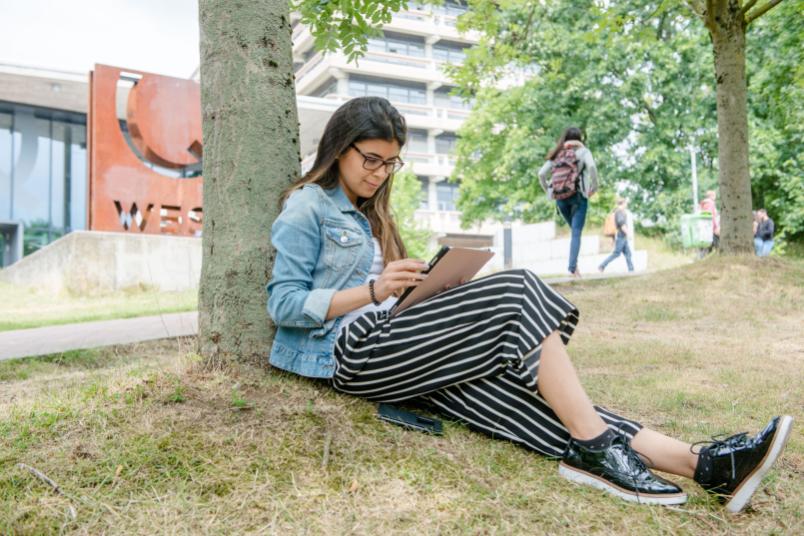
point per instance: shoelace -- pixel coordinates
(634, 457)
(718, 441)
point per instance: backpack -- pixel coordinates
(610, 225)
(565, 174)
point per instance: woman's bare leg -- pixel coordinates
(559, 385)
(665, 453)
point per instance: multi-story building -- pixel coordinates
(405, 65)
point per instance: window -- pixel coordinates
(445, 143)
(447, 195)
(451, 7)
(397, 44)
(393, 91)
(443, 99)
(417, 141)
(43, 179)
(5, 165)
(330, 87)
(31, 167)
(449, 52)
(424, 200)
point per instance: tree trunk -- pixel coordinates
(251, 153)
(728, 40)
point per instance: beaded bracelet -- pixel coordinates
(371, 292)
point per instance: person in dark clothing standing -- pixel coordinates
(763, 238)
(623, 233)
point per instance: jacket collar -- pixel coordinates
(341, 201)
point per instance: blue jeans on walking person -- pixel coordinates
(620, 246)
(573, 209)
(762, 247)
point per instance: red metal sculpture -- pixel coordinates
(163, 115)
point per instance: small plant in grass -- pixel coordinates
(177, 395)
(239, 401)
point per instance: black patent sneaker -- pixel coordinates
(619, 470)
(734, 467)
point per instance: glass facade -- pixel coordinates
(43, 171)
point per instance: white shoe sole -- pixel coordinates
(582, 477)
(742, 494)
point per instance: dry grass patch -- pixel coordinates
(22, 307)
(149, 442)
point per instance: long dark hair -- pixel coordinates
(362, 118)
(572, 133)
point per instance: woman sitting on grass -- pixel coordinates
(489, 352)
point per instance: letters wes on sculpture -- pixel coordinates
(163, 115)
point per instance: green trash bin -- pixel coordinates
(696, 230)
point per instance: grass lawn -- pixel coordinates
(29, 308)
(142, 439)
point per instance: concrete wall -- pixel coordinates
(88, 262)
(535, 247)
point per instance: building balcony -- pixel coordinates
(379, 64)
(412, 22)
(425, 23)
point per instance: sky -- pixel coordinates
(159, 36)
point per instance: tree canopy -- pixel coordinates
(637, 76)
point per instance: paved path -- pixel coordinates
(591, 277)
(57, 339)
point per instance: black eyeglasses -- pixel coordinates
(372, 163)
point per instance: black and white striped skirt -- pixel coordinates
(472, 352)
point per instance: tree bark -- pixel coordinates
(728, 40)
(251, 153)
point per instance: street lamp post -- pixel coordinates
(694, 180)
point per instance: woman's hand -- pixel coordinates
(397, 276)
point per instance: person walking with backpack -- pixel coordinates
(624, 232)
(573, 180)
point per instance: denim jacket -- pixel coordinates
(323, 245)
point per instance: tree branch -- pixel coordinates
(758, 12)
(709, 15)
(748, 5)
(516, 38)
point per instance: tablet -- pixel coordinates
(448, 267)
